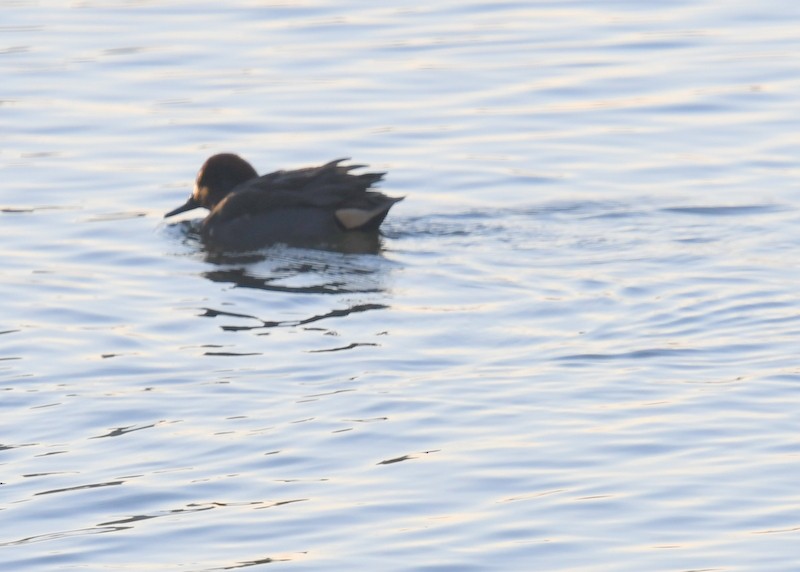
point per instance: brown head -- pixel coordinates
(218, 176)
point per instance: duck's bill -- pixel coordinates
(187, 206)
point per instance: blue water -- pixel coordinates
(577, 349)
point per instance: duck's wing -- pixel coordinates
(252, 201)
(331, 177)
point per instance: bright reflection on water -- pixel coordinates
(575, 349)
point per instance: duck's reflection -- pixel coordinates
(243, 278)
(263, 324)
(354, 266)
(299, 271)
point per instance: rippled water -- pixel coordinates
(577, 349)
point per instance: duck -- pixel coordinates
(304, 207)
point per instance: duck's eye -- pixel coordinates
(200, 193)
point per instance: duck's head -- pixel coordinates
(218, 176)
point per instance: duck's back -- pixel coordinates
(329, 183)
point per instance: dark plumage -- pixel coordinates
(303, 206)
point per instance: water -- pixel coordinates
(577, 349)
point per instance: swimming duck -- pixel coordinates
(303, 206)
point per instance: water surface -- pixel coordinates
(576, 350)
